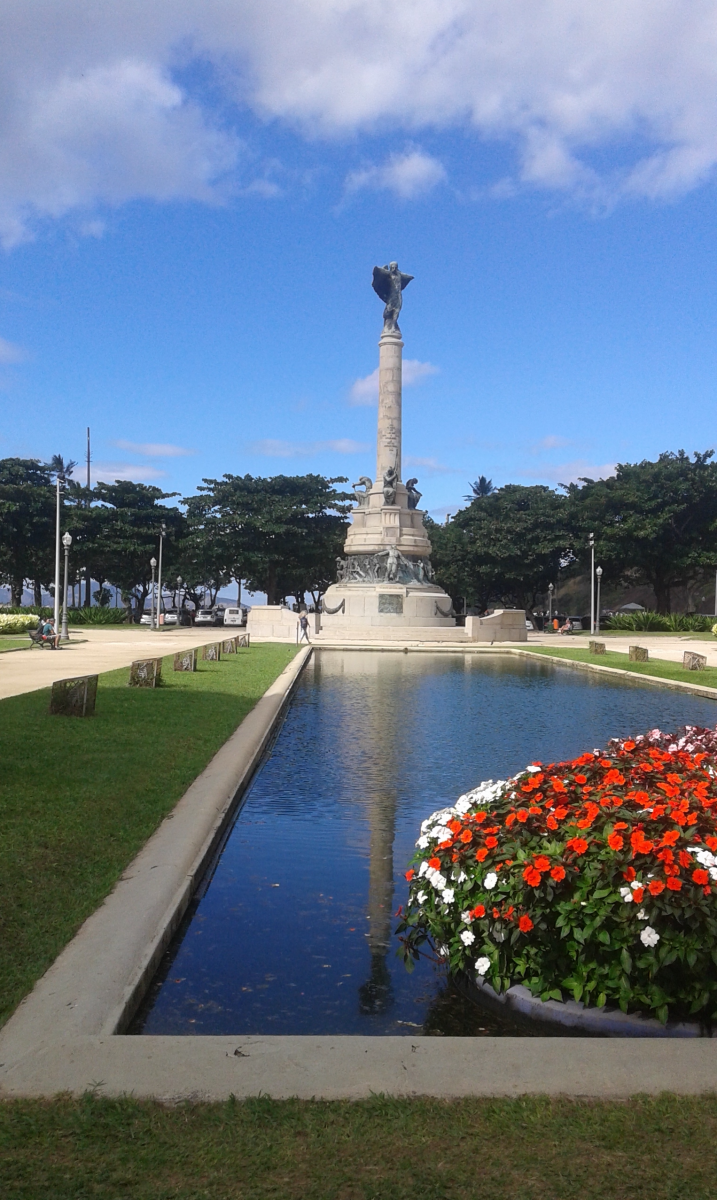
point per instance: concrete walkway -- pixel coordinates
(93, 650)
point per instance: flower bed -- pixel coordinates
(593, 880)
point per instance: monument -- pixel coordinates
(385, 577)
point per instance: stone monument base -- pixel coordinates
(385, 606)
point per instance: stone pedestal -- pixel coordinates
(212, 652)
(185, 660)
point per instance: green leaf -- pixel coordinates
(626, 960)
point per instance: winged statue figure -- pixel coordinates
(388, 283)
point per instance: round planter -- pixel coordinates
(572, 1016)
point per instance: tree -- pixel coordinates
(506, 547)
(123, 534)
(282, 534)
(654, 522)
(480, 487)
(27, 525)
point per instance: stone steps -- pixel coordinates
(383, 633)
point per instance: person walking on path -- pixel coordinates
(304, 626)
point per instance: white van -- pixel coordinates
(235, 616)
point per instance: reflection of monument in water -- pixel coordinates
(386, 577)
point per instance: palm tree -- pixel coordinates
(481, 487)
(59, 468)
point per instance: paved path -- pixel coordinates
(101, 650)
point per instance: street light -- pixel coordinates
(58, 482)
(153, 563)
(64, 635)
(591, 543)
(598, 572)
(162, 532)
(550, 605)
(179, 600)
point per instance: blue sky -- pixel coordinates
(192, 198)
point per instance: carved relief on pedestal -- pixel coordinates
(386, 566)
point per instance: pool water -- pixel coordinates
(291, 932)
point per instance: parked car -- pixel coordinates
(170, 617)
(146, 618)
(576, 624)
(529, 625)
(210, 616)
(235, 616)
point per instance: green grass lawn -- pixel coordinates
(10, 641)
(379, 1149)
(78, 798)
(658, 667)
(637, 635)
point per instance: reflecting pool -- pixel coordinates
(292, 930)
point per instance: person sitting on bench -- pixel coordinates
(49, 634)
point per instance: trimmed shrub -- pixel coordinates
(97, 616)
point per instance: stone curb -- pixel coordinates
(96, 982)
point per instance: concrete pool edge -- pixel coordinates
(64, 1039)
(96, 982)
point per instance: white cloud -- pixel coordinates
(96, 110)
(108, 472)
(365, 391)
(553, 441)
(430, 466)
(278, 448)
(408, 175)
(11, 353)
(153, 449)
(571, 472)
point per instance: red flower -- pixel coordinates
(531, 876)
(561, 812)
(466, 836)
(655, 886)
(684, 859)
(434, 863)
(525, 924)
(629, 874)
(480, 818)
(542, 863)
(410, 874)
(481, 854)
(628, 745)
(557, 874)
(552, 823)
(639, 842)
(615, 841)
(479, 911)
(700, 876)
(455, 826)
(637, 895)
(522, 815)
(491, 842)
(712, 843)
(673, 884)
(578, 844)
(581, 778)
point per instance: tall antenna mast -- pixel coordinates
(89, 482)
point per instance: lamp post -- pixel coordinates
(57, 551)
(162, 532)
(591, 543)
(716, 593)
(598, 572)
(64, 635)
(179, 600)
(550, 605)
(153, 564)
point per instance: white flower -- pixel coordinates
(649, 936)
(467, 937)
(442, 951)
(483, 965)
(636, 884)
(704, 858)
(626, 894)
(423, 868)
(533, 770)
(490, 881)
(642, 915)
(466, 917)
(462, 805)
(713, 872)
(448, 894)
(422, 842)
(462, 877)
(422, 897)
(436, 879)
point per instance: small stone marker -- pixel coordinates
(242, 639)
(596, 647)
(229, 646)
(185, 660)
(145, 672)
(694, 662)
(212, 652)
(639, 654)
(74, 697)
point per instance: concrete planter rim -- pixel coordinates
(611, 1022)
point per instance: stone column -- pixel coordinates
(389, 405)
